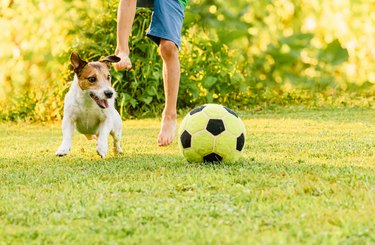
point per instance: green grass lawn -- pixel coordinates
(306, 177)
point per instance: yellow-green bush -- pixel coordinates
(240, 53)
(34, 40)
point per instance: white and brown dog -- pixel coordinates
(89, 106)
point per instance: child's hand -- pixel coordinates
(124, 63)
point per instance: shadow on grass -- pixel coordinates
(325, 114)
(73, 165)
(171, 160)
(274, 168)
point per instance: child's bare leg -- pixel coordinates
(125, 17)
(171, 77)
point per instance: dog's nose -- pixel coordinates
(108, 94)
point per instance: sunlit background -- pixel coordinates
(244, 53)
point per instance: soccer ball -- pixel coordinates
(211, 133)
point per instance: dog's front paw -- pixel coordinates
(102, 150)
(62, 151)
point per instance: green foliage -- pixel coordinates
(210, 72)
(36, 34)
(239, 53)
(283, 58)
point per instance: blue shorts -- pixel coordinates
(166, 22)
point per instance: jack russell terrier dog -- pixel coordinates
(89, 105)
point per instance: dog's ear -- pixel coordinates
(110, 59)
(77, 63)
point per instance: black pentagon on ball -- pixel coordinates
(185, 139)
(213, 157)
(230, 111)
(215, 126)
(196, 110)
(240, 142)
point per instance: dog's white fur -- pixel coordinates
(81, 111)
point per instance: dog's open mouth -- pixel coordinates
(101, 103)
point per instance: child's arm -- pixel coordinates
(125, 17)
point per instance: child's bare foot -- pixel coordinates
(167, 130)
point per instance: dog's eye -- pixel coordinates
(92, 79)
(109, 77)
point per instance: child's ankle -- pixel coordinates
(170, 115)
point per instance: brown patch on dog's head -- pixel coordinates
(92, 75)
(77, 62)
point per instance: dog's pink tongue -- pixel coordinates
(103, 103)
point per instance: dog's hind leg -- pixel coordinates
(116, 141)
(91, 136)
(116, 132)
